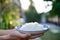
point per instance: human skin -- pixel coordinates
(13, 34)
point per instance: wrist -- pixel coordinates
(13, 32)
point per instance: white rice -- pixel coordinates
(33, 26)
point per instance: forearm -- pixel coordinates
(5, 32)
(4, 37)
(1, 37)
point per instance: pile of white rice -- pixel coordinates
(33, 26)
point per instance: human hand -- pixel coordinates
(25, 36)
(15, 35)
(36, 35)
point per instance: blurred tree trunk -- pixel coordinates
(22, 15)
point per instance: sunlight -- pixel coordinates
(42, 6)
(39, 5)
(11, 22)
(25, 4)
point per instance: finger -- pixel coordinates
(22, 35)
(35, 36)
(26, 35)
(11, 37)
(24, 39)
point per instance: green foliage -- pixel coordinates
(7, 15)
(32, 15)
(2, 1)
(51, 36)
(47, 0)
(57, 0)
(56, 9)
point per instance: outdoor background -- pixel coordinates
(19, 12)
